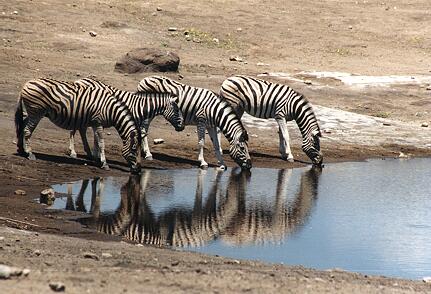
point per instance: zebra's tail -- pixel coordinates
(19, 126)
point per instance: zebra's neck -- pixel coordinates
(300, 110)
(227, 121)
(120, 117)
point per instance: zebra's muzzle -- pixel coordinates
(135, 169)
(247, 165)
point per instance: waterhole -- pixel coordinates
(371, 217)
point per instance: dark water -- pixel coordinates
(370, 217)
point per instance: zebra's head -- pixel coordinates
(311, 147)
(239, 151)
(173, 114)
(131, 149)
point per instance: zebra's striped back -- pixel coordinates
(264, 99)
(73, 107)
(144, 106)
(199, 103)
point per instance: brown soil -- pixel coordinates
(51, 39)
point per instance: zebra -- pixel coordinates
(203, 108)
(74, 107)
(264, 99)
(144, 107)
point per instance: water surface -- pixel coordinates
(370, 217)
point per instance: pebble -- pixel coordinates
(215, 40)
(92, 33)
(262, 64)
(159, 9)
(20, 192)
(308, 82)
(426, 280)
(8, 271)
(57, 286)
(235, 58)
(402, 155)
(424, 125)
(37, 252)
(254, 136)
(90, 255)
(386, 124)
(15, 12)
(172, 29)
(158, 141)
(106, 255)
(428, 88)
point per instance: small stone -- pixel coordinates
(254, 136)
(92, 33)
(158, 141)
(428, 88)
(15, 12)
(47, 196)
(153, 14)
(90, 255)
(8, 271)
(239, 29)
(159, 9)
(350, 27)
(172, 29)
(20, 192)
(308, 82)
(424, 125)
(262, 64)
(175, 263)
(25, 272)
(235, 58)
(215, 40)
(106, 255)
(426, 280)
(319, 280)
(402, 155)
(327, 131)
(386, 124)
(108, 133)
(57, 286)
(37, 252)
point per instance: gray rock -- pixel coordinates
(148, 60)
(424, 125)
(158, 141)
(57, 286)
(172, 29)
(92, 33)
(7, 272)
(47, 196)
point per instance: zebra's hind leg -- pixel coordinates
(284, 143)
(216, 143)
(201, 141)
(98, 132)
(31, 124)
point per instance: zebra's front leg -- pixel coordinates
(284, 143)
(216, 143)
(72, 152)
(201, 141)
(145, 146)
(98, 136)
(87, 149)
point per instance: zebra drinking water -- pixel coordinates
(143, 106)
(264, 99)
(74, 107)
(203, 108)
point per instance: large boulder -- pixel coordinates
(147, 60)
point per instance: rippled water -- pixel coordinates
(371, 217)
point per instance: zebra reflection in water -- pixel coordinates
(225, 214)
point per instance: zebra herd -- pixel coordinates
(91, 103)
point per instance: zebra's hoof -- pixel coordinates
(31, 156)
(287, 158)
(73, 155)
(105, 167)
(223, 167)
(204, 165)
(149, 157)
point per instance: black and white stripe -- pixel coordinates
(74, 107)
(144, 107)
(264, 99)
(205, 109)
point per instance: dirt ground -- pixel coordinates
(51, 39)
